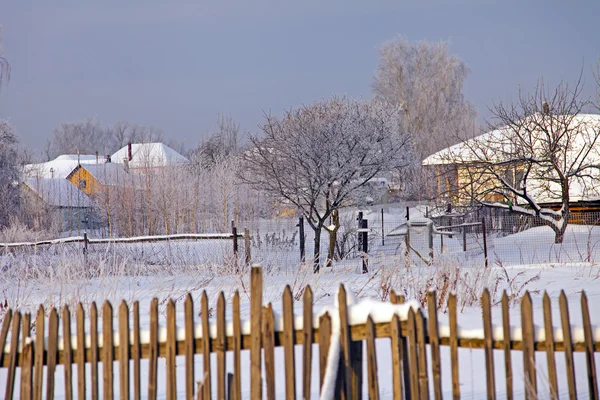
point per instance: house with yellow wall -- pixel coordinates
(92, 179)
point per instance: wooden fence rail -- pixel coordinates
(340, 373)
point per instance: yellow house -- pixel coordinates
(93, 178)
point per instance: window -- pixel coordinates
(82, 184)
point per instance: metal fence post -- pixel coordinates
(485, 252)
(382, 230)
(235, 241)
(464, 234)
(302, 239)
(365, 245)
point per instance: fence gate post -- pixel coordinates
(464, 235)
(485, 252)
(382, 230)
(365, 245)
(235, 241)
(247, 246)
(302, 242)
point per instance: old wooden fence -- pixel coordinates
(38, 354)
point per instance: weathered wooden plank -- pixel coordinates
(67, 353)
(413, 359)
(4, 332)
(14, 355)
(506, 346)
(452, 318)
(136, 352)
(171, 372)
(123, 351)
(397, 356)
(221, 348)
(589, 342)
(189, 347)
(269, 350)
(399, 299)
(550, 357)
(94, 352)
(237, 348)
(567, 342)
(38, 367)
(81, 378)
(372, 361)
(153, 351)
(488, 347)
(206, 347)
(108, 351)
(324, 338)
(256, 284)
(288, 343)
(51, 351)
(528, 347)
(346, 354)
(434, 345)
(422, 357)
(307, 335)
(26, 361)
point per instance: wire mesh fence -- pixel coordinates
(279, 245)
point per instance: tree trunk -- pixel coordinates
(335, 218)
(559, 232)
(317, 250)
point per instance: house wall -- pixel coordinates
(91, 185)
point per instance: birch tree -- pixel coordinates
(542, 150)
(316, 156)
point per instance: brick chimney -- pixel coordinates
(129, 155)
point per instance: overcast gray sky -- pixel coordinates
(176, 65)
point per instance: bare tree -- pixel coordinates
(314, 157)
(426, 83)
(219, 146)
(9, 174)
(4, 65)
(85, 136)
(542, 150)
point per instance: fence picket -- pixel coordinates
(171, 372)
(346, 359)
(269, 349)
(136, 353)
(568, 344)
(221, 348)
(397, 356)
(589, 348)
(453, 345)
(372, 360)
(324, 339)
(190, 347)
(123, 351)
(67, 353)
(26, 362)
(4, 333)
(14, 355)
(52, 352)
(399, 299)
(434, 344)
(413, 359)
(488, 345)
(256, 292)
(107, 350)
(94, 356)
(307, 340)
(422, 356)
(528, 347)
(153, 346)
(80, 318)
(550, 348)
(237, 348)
(205, 345)
(38, 353)
(288, 343)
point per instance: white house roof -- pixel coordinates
(59, 168)
(149, 155)
(463, 152)
(58, 192)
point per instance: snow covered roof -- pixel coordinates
(107, 173)
(60, 167)
(463, 152)
(149, 155)
(58, 192)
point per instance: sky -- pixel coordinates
(176, 65)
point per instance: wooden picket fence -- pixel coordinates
(38, 356)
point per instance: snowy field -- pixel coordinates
(537, 265)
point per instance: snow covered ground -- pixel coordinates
(537, 266)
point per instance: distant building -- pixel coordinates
(60, 167)
(148, 156)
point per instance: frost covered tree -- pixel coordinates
(426, 83)
(316, 156)
(543, 149)
(85, 136)
(9, 174)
